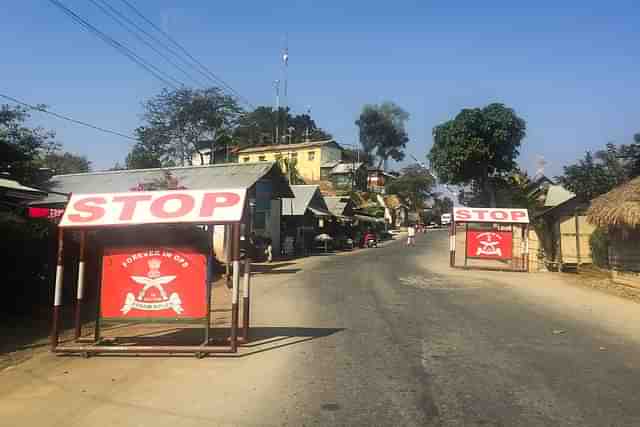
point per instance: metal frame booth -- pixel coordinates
(495, 239)
(142, 283)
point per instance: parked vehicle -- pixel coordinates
(445, 219)
(370, 240)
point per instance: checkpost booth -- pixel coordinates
(154, 265)
(492, 239)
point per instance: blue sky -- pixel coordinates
(571, 69)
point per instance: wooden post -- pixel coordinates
(57, 295)
(80, 290)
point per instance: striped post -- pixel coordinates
(80, 290)
(235, 256)
(57, 295)
(246, 292)
(452, 244)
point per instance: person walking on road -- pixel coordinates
(411, 235)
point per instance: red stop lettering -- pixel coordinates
(211, 201)
(87, 206)
(129, 204)
(480, 213)
(463, 214)
(499, 215)
(158, 206)
(516, 215)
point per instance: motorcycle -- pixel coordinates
(370, 240)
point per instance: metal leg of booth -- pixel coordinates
(235, 245)
(57, 298)
(246, 292)
(80, 290)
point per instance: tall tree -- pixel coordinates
(478, 146)
(258, 128)
(183, 118)
(65, 163)
(596, 174)
(382, 131)
(414, 184)
(151, 150)
(21, 147)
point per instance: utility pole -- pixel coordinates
(306, 131)
(276, 85)
(285, 63)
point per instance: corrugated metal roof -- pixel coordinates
(332, 164)
(237, 175)
(345, 167)
(336, 205)
(556, 195)
(306, 197)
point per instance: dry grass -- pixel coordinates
(618, 207)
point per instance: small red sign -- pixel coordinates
(489, 244)
(153, 283)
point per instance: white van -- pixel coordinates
(445, 219)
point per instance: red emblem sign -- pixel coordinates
(489, 244)
(153, 283)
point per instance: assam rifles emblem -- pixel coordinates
(146, 299)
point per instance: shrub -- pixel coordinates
(599, 242)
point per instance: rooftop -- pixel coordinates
(230, 175)
(286, 147)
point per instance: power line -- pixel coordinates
(203, 69)
(157, 73)
(69, 119)
(117, 16)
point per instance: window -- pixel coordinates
(294, 155)
(312, 155)
(246, 159)
(262, 158)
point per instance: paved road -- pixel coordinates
(382, 337)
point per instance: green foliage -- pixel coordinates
(177, 121)
(599, 242)
(478, 146)
(382, 131)
(595, 175)
(258, 128)
(415, 185)
(289, 167)
(64, 163)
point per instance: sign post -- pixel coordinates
(146, 283)
(489, 240)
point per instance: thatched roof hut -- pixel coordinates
(619, 207)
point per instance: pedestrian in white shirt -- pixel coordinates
(411, 235)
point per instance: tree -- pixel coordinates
(414, 184)
(179, 120)
(382, 131)
(258, 128)
(478, 147)
(151, 150)
(595, 175)
(22, 148)
(65, 163)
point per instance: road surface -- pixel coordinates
(380, 337)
